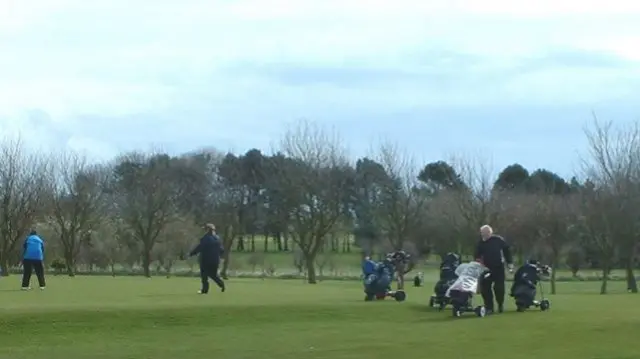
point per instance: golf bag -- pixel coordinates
(526, 280)
(448, 276)
(378, 277)
(460, 293)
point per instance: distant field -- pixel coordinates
(339, 265)
(159, 318)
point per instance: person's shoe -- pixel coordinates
(201, 292)
(488, 311)
(223, 289)
(501, 309)
(42, 288)
(26, 288)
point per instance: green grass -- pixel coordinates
(159, 318)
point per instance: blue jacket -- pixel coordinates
(34, 248)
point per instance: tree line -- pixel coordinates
(145, 207)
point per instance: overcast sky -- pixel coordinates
(513, 80)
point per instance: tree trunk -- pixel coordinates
(266, 244)
(310, 261)
(632, 285)
(146, 262)
(225, 264)
(4, 265)
(605, 279)
(286, 241)
(553, 279)
(278, 238)
(70, 263)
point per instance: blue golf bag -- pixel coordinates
(378, 277)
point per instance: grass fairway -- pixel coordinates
(158, 318)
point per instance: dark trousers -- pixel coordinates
(494, 284)
(210, 270)
(31, 265)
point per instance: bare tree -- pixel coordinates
(472, 204)
(76, 200)
(311, 176)
(517, 221)
(146, 192)
(477, 174)
(23, 187)
(174, 242)
(555, 216)
(403, 204)
(613, 165)
(111, 241)
(598, 229)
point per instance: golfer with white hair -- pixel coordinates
(493, 251)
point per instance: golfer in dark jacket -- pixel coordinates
(210, 250)
(493, 251)
(32, 260)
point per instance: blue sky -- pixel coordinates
(512, 80)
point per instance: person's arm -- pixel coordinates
(221, 245)
(24, 248)
(197, 249)
(506, 251)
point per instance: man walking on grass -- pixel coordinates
(210, 250)
(33, 260)
(493, 251)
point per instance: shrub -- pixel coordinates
(58, 265)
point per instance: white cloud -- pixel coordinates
(125, 61)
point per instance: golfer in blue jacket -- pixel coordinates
(32, 260)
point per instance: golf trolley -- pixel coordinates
(398, 295)
(462, 302)
(448, 276)
(379, 276)
(526, 281)
(439, 301)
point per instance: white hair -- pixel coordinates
(486, 228)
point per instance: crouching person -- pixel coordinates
(33, 260)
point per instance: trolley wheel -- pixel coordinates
(545, 305)
(400, 296)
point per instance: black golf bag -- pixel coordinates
(448, 276)
(378, 277)
(526, 280)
